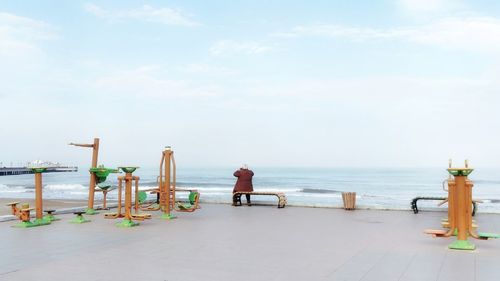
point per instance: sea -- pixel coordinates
(376, 188)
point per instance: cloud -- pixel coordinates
(477, 34)
(417, 7)
(206, 69)
(230, 47)
(149, 81)
(167, 16)
(20, 35)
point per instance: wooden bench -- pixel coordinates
(415, 208)
(281, 197)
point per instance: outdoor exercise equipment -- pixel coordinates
(101, 173)
(166, 191)
(192, 203)
(79, 218)
(95, 152)
(128, 217)
(23, 213)
(460, 211)
(50, 215)
(97, 176)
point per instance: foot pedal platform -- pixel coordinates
(488, 235)
(435, 232)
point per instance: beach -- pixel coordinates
(220, 242)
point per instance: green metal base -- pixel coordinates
(166, 216)
(79, 219)
(127, 223)
(89, 211)
(51, 218)
(41, 221)
(462, 245)
(34, 223)
(24, 224)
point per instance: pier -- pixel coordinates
(12, 171)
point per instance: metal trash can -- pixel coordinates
(349, 199)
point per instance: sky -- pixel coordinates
(401, 83)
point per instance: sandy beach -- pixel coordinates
(220, 242)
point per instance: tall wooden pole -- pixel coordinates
(38, 196)
(95, 155)
(168, 194)
(167, 180)
(461, 208)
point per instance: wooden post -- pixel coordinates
(95, 155)
(167, 191)
(128, 195)
(167, 181)
(92, 184)
(38, 196)
(119, 209)
(461, 208)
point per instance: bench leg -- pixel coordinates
(237, 200)
(414, 206)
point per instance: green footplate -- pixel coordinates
(488, 235)
(462, 245)
(127, 223)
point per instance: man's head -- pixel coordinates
(244, 167)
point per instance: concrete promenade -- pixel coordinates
(220, 242)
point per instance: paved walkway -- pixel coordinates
(220, 243)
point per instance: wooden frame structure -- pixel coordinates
(23, 213)
(128, 217)
(166, 191)
(460, 211)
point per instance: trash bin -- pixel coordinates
(349, 199)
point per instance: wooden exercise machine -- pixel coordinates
(128, 217)
(166, 191)
(460, 211)
(24, 212)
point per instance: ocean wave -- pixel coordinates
(494, 201)
(318, 190)
(65, 187)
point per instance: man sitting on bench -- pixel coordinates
(243, 183)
